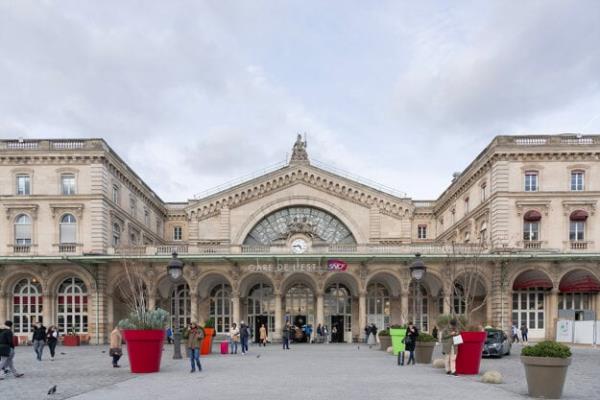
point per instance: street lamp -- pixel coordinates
(175, 270)
(417, 272)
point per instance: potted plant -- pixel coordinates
(144, 332)
(385, 340)
(546, 366)
(398, 333)
(468, 359)
(209, 332)
(424, 349)
(71, 338)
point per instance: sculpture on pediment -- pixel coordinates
(299, 152)
(300, 226)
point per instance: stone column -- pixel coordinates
(152, 301)
(235, 305)
(320, 309)
(362, 313)
(3, 307)
(551, 314)
(404, 307)
(194, 306)
(489, 315)
(110, 312)
(446, 303)
(278, 316)
(47, 305)
(395, 311)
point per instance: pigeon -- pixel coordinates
(63, 354)
(358, 347)
(52, 390)
(258, 356)
(103, 351)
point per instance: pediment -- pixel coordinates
(306, 174)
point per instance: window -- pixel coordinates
(577, 225)
(133, 206)
(531, 225)
(577, 179)
(422, 232)
(23, 185)
(483, 192)
(27, 305)
(72, 306)
(177, 233)
(528, 308)
(531, 181)
(133, 239)
(116, 194)
(116, 236)
(220, 307)
(180, 298)
(23, 230)
(67, 184)
(68, 226)
(378, 305)
(483, 233)
(467, 205)
(147, 217)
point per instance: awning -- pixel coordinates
(579, 281)
(579, 215)
(532, 279)
(532, 216)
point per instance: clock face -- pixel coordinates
(299, 246)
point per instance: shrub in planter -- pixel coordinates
(385, 340)
(546, 366)
(144, 332)
(398, 333)
(424, 348)
(209, 333)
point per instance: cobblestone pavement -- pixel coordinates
(306, 371)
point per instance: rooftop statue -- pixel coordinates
(299, 150)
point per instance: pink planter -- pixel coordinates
(144, 349)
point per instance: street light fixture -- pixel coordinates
(175, 271)
(417, 272)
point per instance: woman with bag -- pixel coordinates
(194, 342)
(52, 340)
(410, 342)
(116, 351)
(234, 337)
(450, 340)
(263, 335)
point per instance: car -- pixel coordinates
(496, 344)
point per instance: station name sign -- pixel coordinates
(333, 265)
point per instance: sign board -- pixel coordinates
(564, 330)
(337, 265)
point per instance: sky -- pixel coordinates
(194, 94)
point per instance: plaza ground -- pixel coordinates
(305, 372)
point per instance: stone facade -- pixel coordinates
(511, 240)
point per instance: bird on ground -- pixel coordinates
(52, 390)
(258, 356)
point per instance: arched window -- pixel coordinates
(338, 309)
(180, 297)
(459, 299)
(220, 307)
(23, 230)
(68, 229)
(578, 219)
(116, 235)
(378, 305)
(27, 305)
(72, 306)
(531, 226)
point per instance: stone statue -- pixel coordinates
(299, 150)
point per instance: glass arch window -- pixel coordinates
(281, 224)
(68, 228)
(27, 305)
(378, 305)
(72, 306)
(220, 307)
(180, 297)
(23, 230)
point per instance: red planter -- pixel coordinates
(144, 349)
(469, 353)
(71, 340)
(207, 341)
(15, 341)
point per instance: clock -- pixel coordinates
(299, 246)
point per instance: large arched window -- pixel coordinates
(261, 307)
(220, 307)
(23, 230)
(378, 305)
(27, 305)
(180, 297)
(72, 306)
(68, 229)
(281, 224)
(338, 310)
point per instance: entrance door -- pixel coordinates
(299, 323)
(259, 320)
(337, 321)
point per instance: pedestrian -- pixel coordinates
(169, 335)
(194, 340)
(262, 335)
(116, 350)
(319, 333)
(524, 332)
(325, 334)
(39, 339)
(244, 335)
(372, 336)
(286, 336)
(410, 342)
(367, 332)
(434, 333)
(52, 340)
(309, 332)
(234, 338)
(515, 334)
(7, 350)
(334, 334)
(449, 348)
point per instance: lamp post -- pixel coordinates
(417, 272)
(175, 270)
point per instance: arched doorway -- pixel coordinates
(27, 305)
(469, 297)
(528, 302)
(181, 301)
(299, 308)
(72, 306)
(220, 307)
(577, 292)
(378, 305)
(338, 312)
(261, 308)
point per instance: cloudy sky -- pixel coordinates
(193, 94)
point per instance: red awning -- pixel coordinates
(579, 215)
(532, 216)
(532, 279)
(579, 281)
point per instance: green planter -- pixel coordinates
(397, 335)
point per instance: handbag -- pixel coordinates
(456, 340)
(115, 352)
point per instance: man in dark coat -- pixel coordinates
(244, 335)
(39, 340)
(7, 350)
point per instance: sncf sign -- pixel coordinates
(337, 265)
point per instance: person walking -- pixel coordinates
(169, 335)
(410, 342)
(116, 350)
(234, 338)
(244, 335)
(194, 340)
(449, 349)
(262, 335)
(524, 333)
(435, 333)
(7, 350)
(286, 336)
(515, 334)
(39, 339)
(52, 340)
(372, 335)
(319, 333)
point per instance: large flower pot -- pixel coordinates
(424, 352)
(207, 341)
(71, 340)
(385, 341)
(15, 341)
(397, 335)
(545, 376)
(469, 353)
(144, 349)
